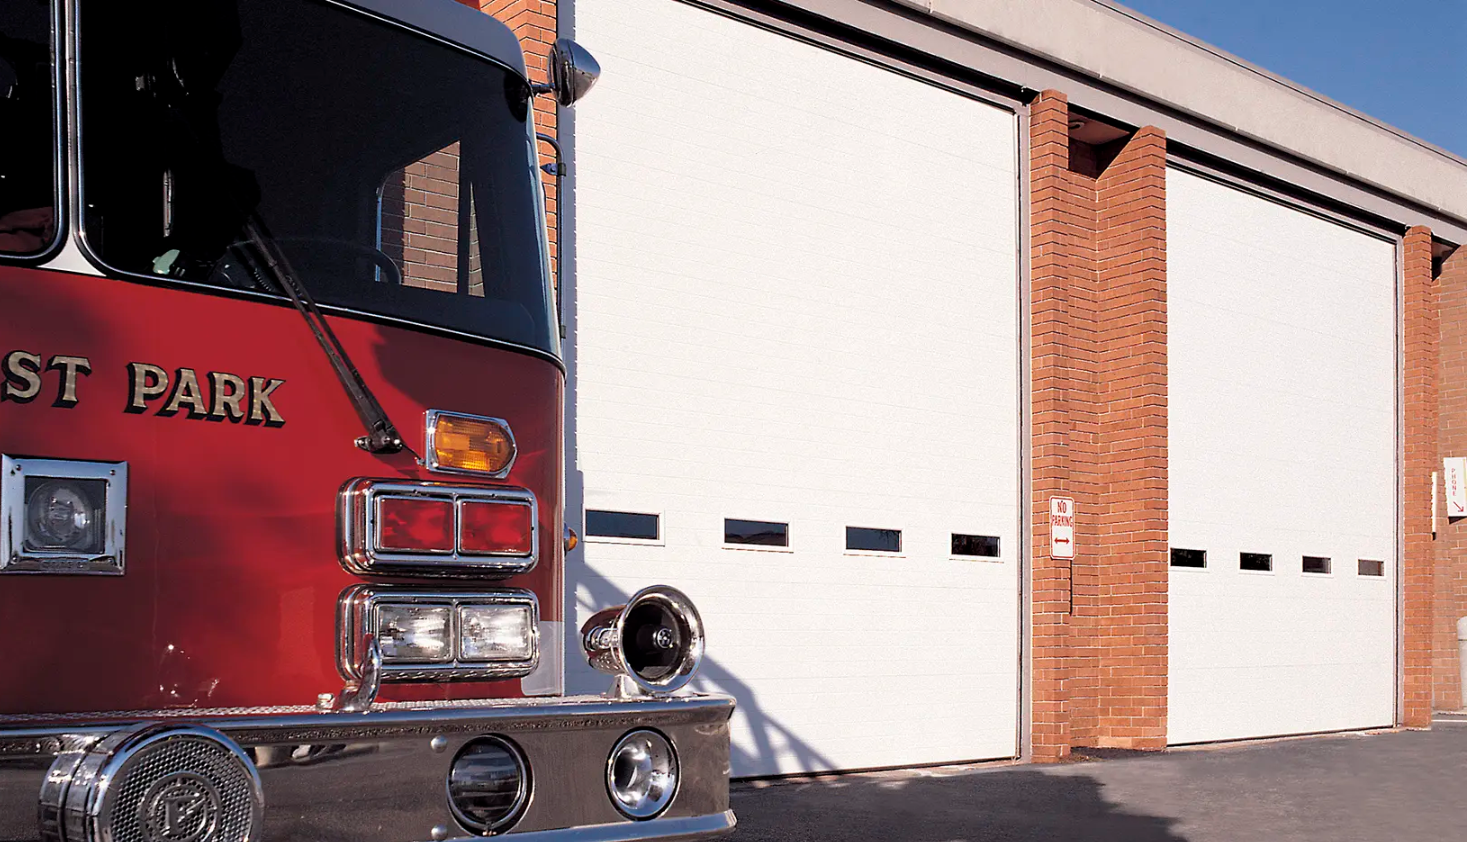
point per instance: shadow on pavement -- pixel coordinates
(983, 807)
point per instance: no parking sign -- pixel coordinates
(1061, 527)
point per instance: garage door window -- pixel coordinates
(866, 539)
(1255, 562)
(1371, 567)
(759, 533)
(982, 546)
(1189, 558)
(624, 525)
(1316, 564)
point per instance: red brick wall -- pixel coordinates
(1421, 343)
(534, 21)
(1098, 367)
(1130, 625)
(1061, 215)
(1450, 581)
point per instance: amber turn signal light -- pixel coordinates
(469, 444)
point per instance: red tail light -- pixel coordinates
(408, 524)
(495, 528)
(437, 529)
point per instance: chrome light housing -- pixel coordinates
(656, 640)
(156, 782)
(642, 774)
(62, 516)
(489, 785)
(424, 635)
(437, 529)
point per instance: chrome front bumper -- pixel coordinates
(381, 776)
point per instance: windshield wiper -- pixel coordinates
(382, 435)
(271, 263)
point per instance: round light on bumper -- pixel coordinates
(488, 785)
(642, 774)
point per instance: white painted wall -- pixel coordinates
(795, 299)
(1282, 377)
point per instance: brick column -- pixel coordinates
(1059, 222)
(1451, 536)
(534, 22)
(1098, 368)
(1131, 630)
(1421, 352)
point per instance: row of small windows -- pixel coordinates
(761, 533)
(1263, 562)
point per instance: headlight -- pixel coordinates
(440, 635)
(409, 633)
(656, 640)
(642, 774)
(64, 514)
(488, 784)
(495, 633)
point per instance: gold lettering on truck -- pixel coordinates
(145, 383)
(211, 395)
(22, 376)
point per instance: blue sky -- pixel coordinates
(1403, 62)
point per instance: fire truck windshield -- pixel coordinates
(397, 173)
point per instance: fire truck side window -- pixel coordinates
(27, 128)
(398, 175)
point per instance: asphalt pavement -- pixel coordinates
(1408, 786)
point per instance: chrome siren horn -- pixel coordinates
(153, 783)
(655, 641)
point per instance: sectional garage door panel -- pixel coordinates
(1282, 376)
(796, 301)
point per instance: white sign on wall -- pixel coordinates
(1455, 479)
(1061, 527)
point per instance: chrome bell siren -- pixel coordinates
(655, 641)
(153, 782)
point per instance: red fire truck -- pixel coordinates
(281, 449)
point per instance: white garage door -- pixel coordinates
(1282, 373)
(795, 302)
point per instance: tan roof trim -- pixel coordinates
(1131, 52)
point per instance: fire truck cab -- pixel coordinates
(281, 446)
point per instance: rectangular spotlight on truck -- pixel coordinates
(437, 529)
(431, 635)
(62, 516)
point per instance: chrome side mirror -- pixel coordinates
(573, 72)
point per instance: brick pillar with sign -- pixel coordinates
(1062, 209)
(1098, 357)
(1450, 580)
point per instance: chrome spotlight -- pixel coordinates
(655, 640)
(489, 785)
(155, 782)
(642, 774)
